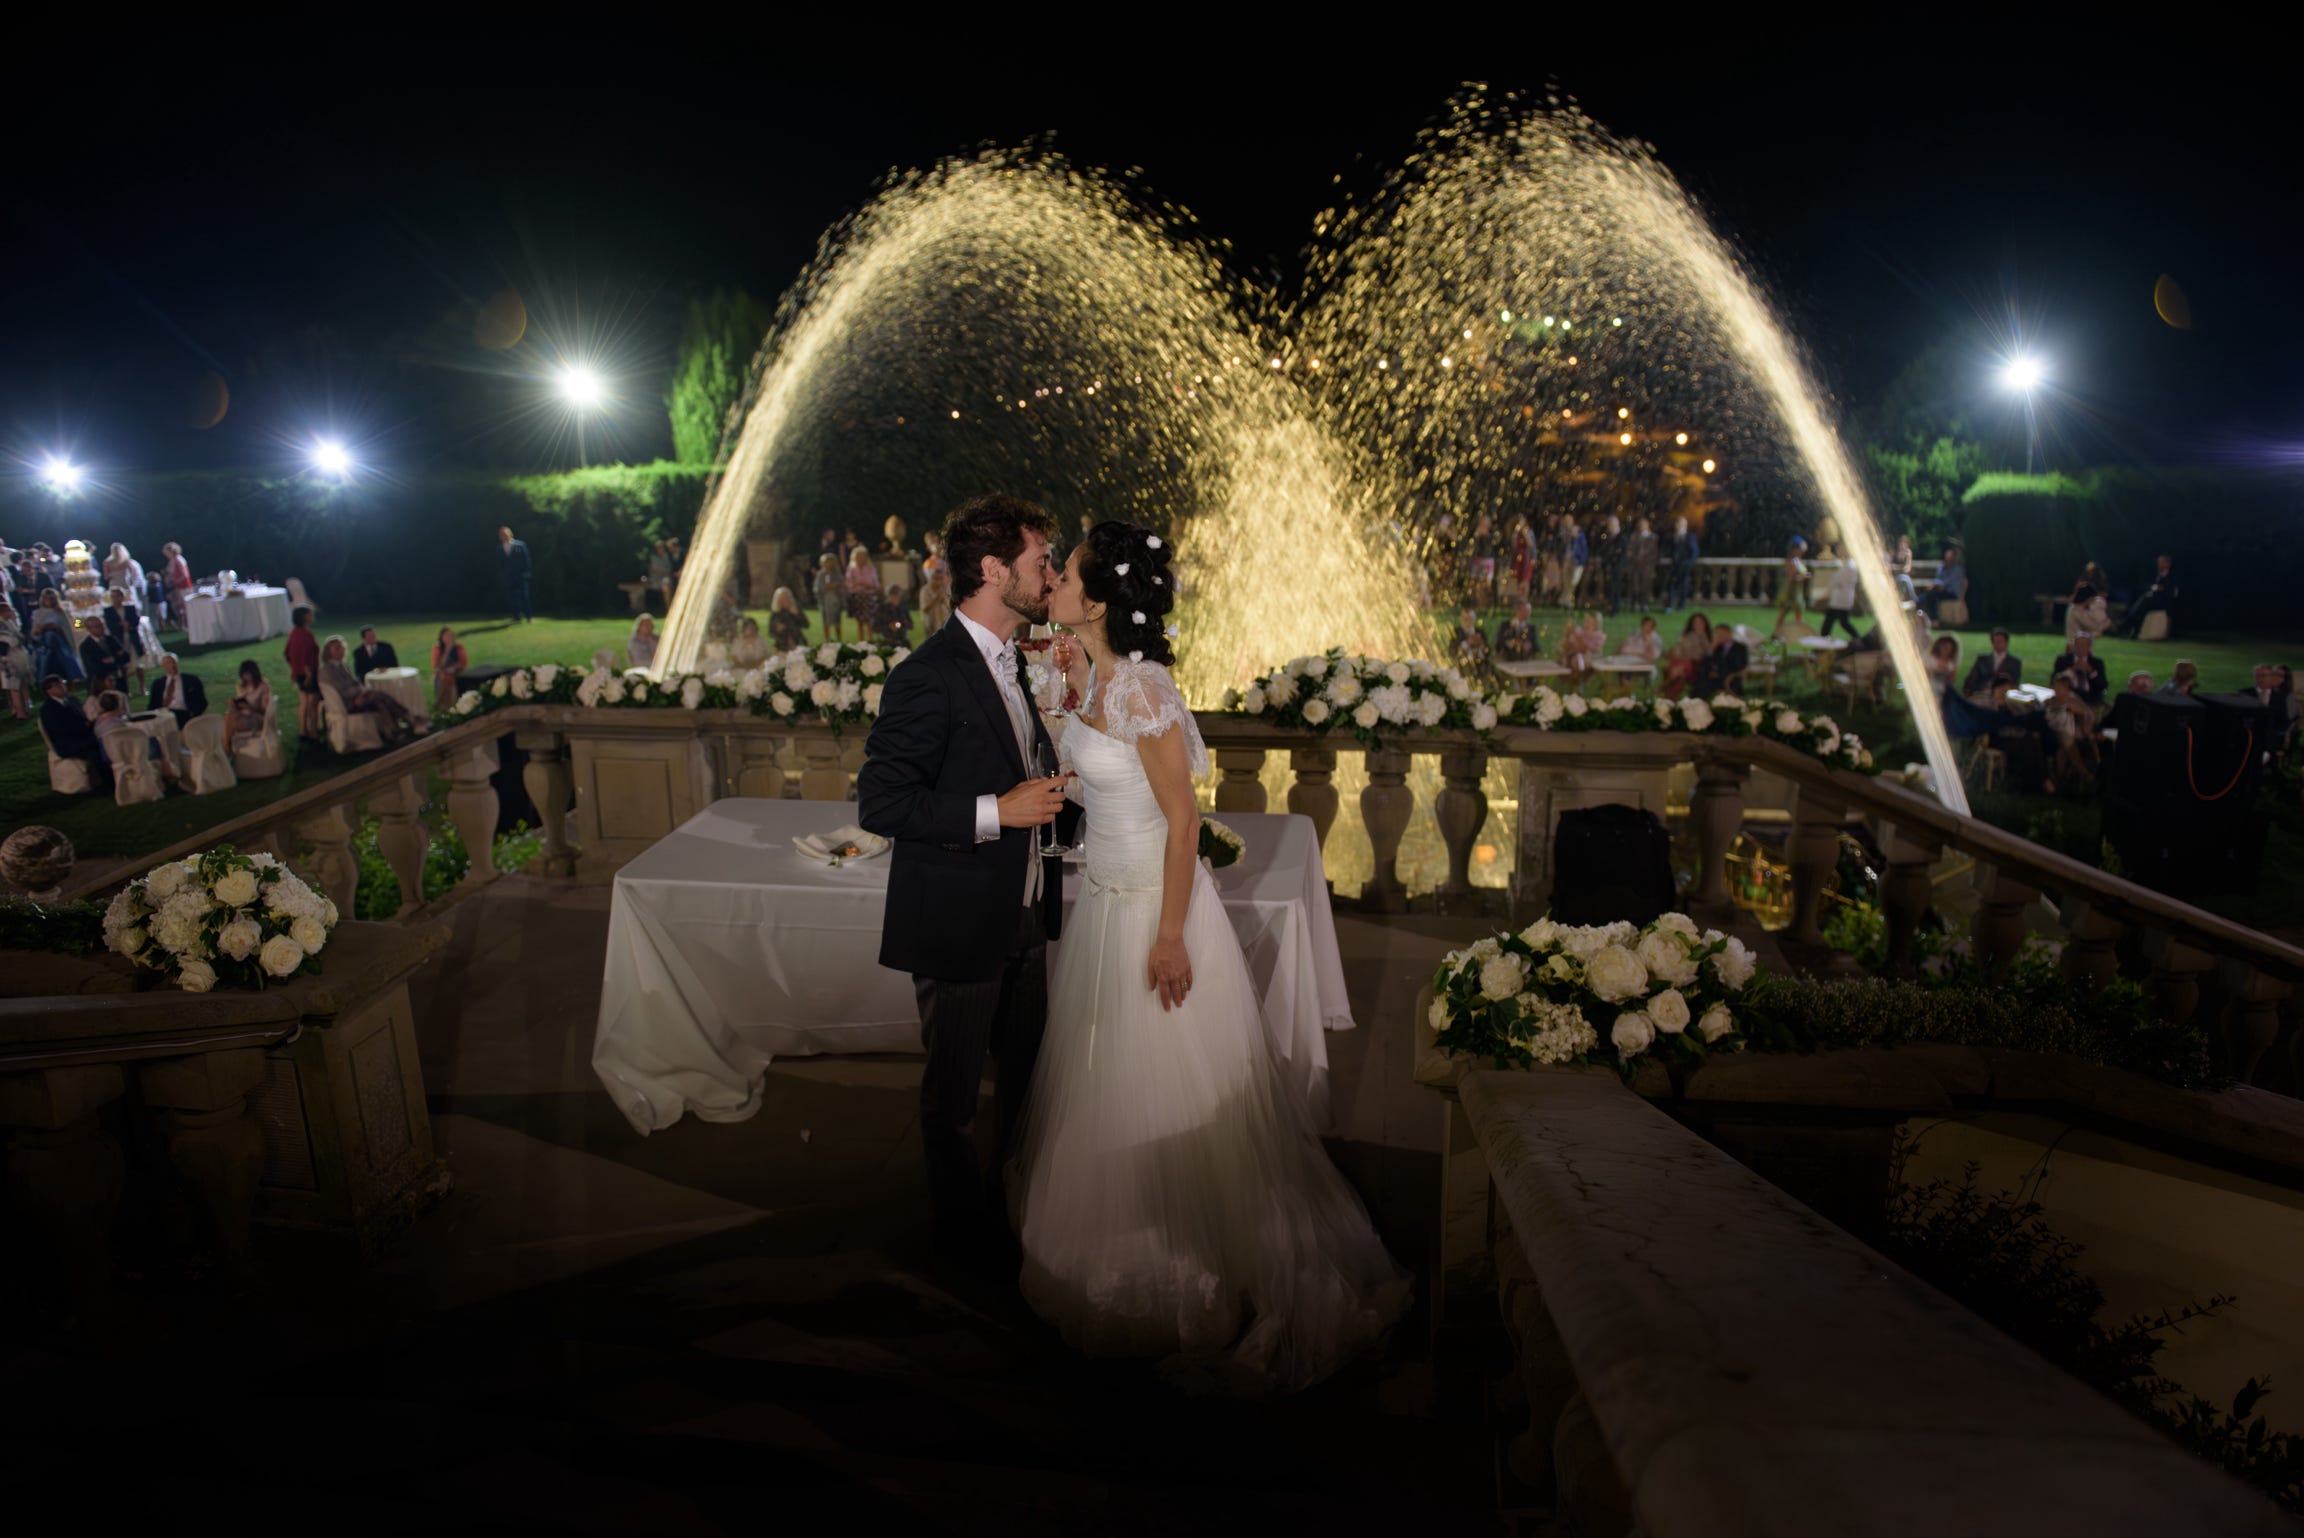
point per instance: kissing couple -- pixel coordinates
(1158, 1187)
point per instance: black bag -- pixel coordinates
(1611, 862)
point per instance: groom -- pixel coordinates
(971, 908)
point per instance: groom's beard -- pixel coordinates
(1034, 610)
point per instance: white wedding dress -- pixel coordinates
(1170, 1190)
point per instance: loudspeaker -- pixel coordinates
(2180, 791)
(1611, 862)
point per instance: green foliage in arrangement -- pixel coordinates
(721, 333)
(70, 928)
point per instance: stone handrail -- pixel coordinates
(1752, 579)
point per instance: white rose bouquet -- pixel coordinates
(1600, 993)
(1363, 695)
(220, 919)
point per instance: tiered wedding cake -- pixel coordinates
(83, 583)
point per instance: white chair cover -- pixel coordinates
(297, 597)
(349, 731)
(262, 757)
(208, 765)
(67, 776)
(135, 777)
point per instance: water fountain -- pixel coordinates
(1011, 321)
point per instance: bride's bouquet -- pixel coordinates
(1600, 993)
(238, 920)
(1219, 845)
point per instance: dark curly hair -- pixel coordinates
(1126, 568)
(991, 525)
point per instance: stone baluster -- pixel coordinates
(401, 837)
(2253, 1019)
(1241, 786)
(550, 786)
(1716, 809)
(1999, 930)
(1904, 892)
(821, 776)
(1385, 806)
(1313, 792)
(1460, 809)
(754, 768)
(215, 1144)
(1812, 851)
(332, 867)
(63, 1173)
(472, 807)
(2176, 970)
(2091, 938)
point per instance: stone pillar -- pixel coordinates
(401, 838)
(1314, 793)
(1241, 786)
(1812, 851)
(64, 1171)
(1904, 893)
(1717, 812)
(2090, 939)
(334, 870)
(550, 786)
(1385, 807)
(821, 777)
(2000, 920)
(2176, 970)
(1460, 809)
(472, 807)
(2254, 1018)
(202, 1109)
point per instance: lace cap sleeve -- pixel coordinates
(1142, 700)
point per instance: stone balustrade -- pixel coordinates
(1754, 579)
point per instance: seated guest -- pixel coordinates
(1996, 663)
(2140, 682)
(2087, 670)
(449, 664)
(748, 650)
(1943, 668)
(1688, 655)
(126, 622)
(1869, 641)
(112, 716)
(65, 724)
(358, 698)
(2159, 593)
(1951, 582)
(1516, 638)
(372, 654)
(1723, 667)
(102, 657)
(787, 626)
(2072, 723)
(1582, 644)
(1470, 644)
(250, 700)
(1645, 643)
(641, 648)
(2089, 614)
(177, 691)
(2184, 679)
(16, 670)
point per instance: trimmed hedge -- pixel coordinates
(407, 545)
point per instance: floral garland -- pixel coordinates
(1544, 994)
(1219, 845)
(1370, 694)
(220, 918)
(838, 683)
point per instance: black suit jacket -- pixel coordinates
(2093, 680)
(366, 661)
(195, 695)
(69, 730)
(1981, 672)
(942, 740)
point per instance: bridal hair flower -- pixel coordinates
(1136, 616)
(1151, 541)
(1173, 631)
(1135, 656)
(1159, 581)
(1120, 570)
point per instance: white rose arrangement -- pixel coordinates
(220, 919)
(1599, 993)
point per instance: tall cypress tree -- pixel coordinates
(717, 341)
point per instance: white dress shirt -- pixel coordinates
(173, 697)
(999, 659)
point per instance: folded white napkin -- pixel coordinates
(820, 847)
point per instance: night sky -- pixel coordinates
(313, 217)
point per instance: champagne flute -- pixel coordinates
(1044, 762)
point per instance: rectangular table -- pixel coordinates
(726, 949)
(252, 614)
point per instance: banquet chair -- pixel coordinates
(261, 757)
(135, 773)
(298, 598)
(208, 766)
(1860, 675)
(349, 731)
(66, 776)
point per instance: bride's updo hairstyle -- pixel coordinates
(1125, 568)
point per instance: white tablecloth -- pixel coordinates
(258, 612)
(404, 685)
(726, 948)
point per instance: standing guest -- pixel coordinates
(1480, 562)
(51, 636)
(178, 580)
(112, 716)
(1640, 563)
(1471, 646)
(1553, 565)
(2159, 595)
(126, 622)
(1645, 643)
(863, 583)
(8, 557)
(180, 693)
(102, 658)
(1994, 664)
(831, 594)
(359, 699)
(1579, 561)
(787, 626)
(372, 654)
(1523, 567)
(1792, 591)
(1581, 645)
(2263, 684)
(1687, 550)
(1611, 555)
(15, 661)
(679, 563)
(303, 654)
(512, 567)
(2184, 679)
(154, 598)
(935, 585)
(251, 703)
(65, 724)
(1723, 667)
(2087, 670)
(449, 664)
(1900, 568)
(1840, 599)
(1688, 655)
(659, 578)
(748, 650)
(123, 570)
(1951, 583)
(640, 650)
(1517, 639)
(2140, 681)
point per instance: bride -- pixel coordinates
(1170, 1191)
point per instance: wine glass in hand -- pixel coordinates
(1045, 763)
